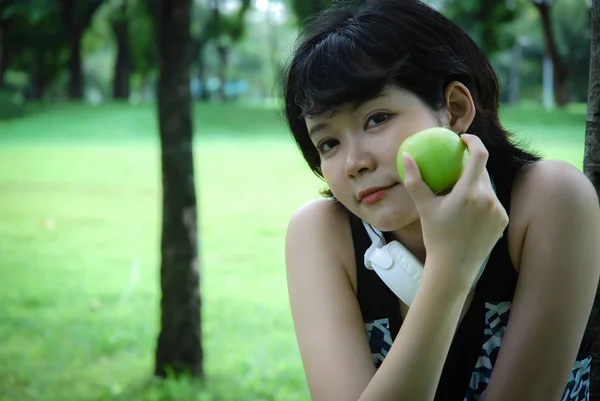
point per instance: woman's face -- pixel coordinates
(358, 148)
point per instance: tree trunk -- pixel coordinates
(204, 94)
(179, 345)
(223, 52)
(591, 168)
(122, 71)
(76, 18)
(4, 4)
(36, 89)
(3, 56)
(515, 73)
(38, 79)
(75, 89)
(39, 89)
(198, 55)
(560, 73)
(272, 41)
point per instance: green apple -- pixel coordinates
(440, 154)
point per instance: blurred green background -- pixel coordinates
(80, 211)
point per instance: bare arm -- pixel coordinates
(327, 319)
(559, 270)
(329, 326)
(412, 368)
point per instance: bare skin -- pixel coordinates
(558, 268)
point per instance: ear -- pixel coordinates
(460, 109)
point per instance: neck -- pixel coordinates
(411, 237)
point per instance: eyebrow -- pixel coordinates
(355, 105)
(319, 127)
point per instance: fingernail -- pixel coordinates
(406, 160)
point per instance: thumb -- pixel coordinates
(413, 182)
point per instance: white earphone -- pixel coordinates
(398, 268)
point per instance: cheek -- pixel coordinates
(415, 122)
(388, 154)
(334, 176)
(330, 175)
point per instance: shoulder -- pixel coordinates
(548, 179)
(546, 193)
(321, 227)
(322, 296)
(554, 232)
(552, 188)
(315, 213)
(318, 220)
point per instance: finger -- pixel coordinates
(487, 179)
(416, 188)
(478, 157)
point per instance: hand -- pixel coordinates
(462, 227)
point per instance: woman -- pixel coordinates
(358, 85)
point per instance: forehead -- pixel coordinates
(389, 96)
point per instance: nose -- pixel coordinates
(358, 160)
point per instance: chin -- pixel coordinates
(391, 218)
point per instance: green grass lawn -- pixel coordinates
(79, 236)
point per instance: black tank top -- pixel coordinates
(478, 338)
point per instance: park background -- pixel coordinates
(80, 183)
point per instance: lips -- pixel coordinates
(371, 191)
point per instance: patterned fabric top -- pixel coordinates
(496, 320)
(478, 338)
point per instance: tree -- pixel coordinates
(4, 5)
(485, 21)
(560, 71)
(204, 29)
(179, 345)
(571, 28)
(76, 17)
(305, 9)
(228, 30)
(144, 53)
(119, 22)
(591, 168)
(131, 26)
(33, 42)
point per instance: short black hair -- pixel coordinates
(350, 55)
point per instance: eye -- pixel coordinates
(377, 119)
(326, 145)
